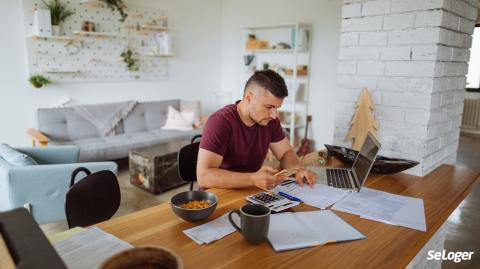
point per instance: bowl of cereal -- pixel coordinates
(193, 205)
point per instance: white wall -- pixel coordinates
(193, 72)
(324, 15)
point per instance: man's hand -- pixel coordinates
(265, 178)
(308, 175)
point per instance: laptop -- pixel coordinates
(351, 179)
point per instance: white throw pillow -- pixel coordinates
(176, 121)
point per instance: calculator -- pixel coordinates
(272, 200)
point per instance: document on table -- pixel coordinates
(385, 207)
(211, 231)
(88, 249)
(320, 196)
(306, 229)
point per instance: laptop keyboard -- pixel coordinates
(338, 178)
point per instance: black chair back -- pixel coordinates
(93, 199)
(187, 161)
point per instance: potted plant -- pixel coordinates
(130, 60)
(39, 81)
(58, 14)
(120, 6)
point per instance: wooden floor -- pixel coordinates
(463, 226)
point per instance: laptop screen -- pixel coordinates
(365, 158)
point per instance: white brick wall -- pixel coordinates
(412, 55)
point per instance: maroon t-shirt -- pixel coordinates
(243, 148)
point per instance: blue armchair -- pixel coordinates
(42, 188)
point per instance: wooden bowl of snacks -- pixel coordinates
(193, 205)
(147, 257)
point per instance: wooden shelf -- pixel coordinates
(284, 125)
(58, 38)
(92, 3)
(288, 107)
(99, 34)
(60, 70)
(153, 28)
(269, 50)
(156, 55)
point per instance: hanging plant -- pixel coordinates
(119, 6)
(130, 60)
(58, 11)
(39, 81)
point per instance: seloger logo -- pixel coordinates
(456, 256)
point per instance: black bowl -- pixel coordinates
(193, 214)
(382, 165)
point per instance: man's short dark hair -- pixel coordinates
(269, 80)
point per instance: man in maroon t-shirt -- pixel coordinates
(236, 139)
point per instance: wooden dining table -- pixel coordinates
(386, 246)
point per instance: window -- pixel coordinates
(473, 75)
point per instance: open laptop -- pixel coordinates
(351, 179)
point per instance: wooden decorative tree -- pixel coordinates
(363, 121)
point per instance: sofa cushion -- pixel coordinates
(64, 124)
(181, 121)
(148, 116)
(15, 157)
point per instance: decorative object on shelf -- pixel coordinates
(164, 43)
(58, 14)
(88, 26)
(39, 81)
(120, 6)
(42, 23)
(254, 43)
(363, 120)
(382, 165)
(129, 59)
(163, 21)
(281, 46)
(265, 66)
(302, 70)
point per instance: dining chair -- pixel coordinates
(187, 161)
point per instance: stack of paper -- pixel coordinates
(211, 231)
(306, 229)
(89, 248)
(320, 196)
(385, 207)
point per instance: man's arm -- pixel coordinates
(288, 159)
(209, 175)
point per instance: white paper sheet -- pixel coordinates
(320, 196)
(89, 249)
(385, 207)
(211, 231)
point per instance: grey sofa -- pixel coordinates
(141, 127)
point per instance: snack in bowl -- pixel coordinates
(196, 204)
(193, 205)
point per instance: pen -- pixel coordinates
(288, 196)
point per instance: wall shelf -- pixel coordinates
(92, 3)
(58, 38)
(99, 34)
(298, 36)
(156, 55)
(153, 28)
(270, 51)
(60, 70)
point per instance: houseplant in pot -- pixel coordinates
(39, 81)
(58, 13)
(120, 6)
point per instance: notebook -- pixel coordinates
(294, 230)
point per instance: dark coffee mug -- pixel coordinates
(254, 222)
